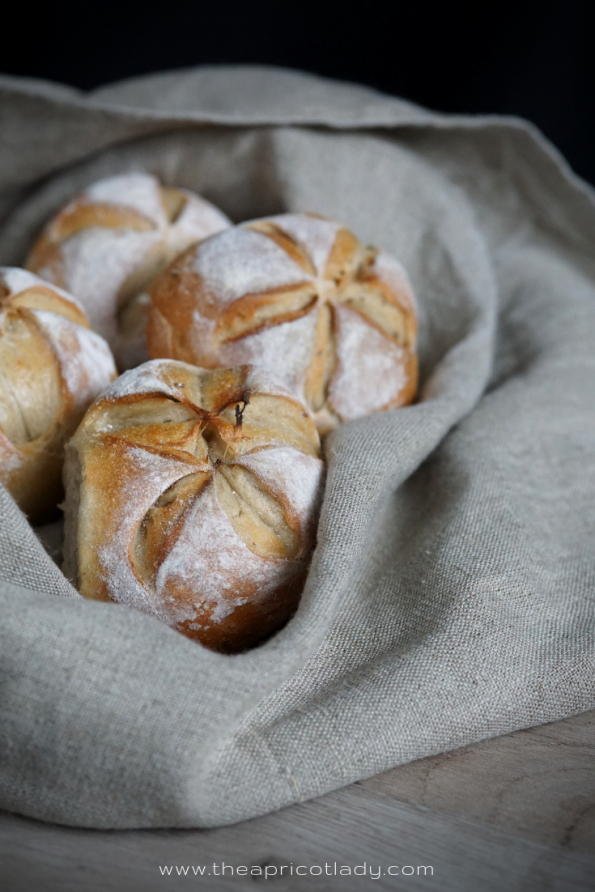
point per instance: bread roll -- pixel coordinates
(299, 296)
(108, 244)
(51, 368)
(192, 495)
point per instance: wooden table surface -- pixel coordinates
(513, 813)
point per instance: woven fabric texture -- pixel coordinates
(451, 596)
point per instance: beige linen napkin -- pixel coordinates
(452, 593)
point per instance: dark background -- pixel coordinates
(534, 59)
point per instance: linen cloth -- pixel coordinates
(451, 596)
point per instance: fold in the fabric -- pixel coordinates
(451, 595)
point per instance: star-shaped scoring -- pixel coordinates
(51, 368)
(301, 296)
(200, 499)
(109, 243)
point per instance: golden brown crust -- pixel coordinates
(109, 243)
(43, 297)
(51, 368)
(170, 319)
(252, 622)
(275, 292)
(198, 500)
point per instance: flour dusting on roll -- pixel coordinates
(193, 495)
(108, 244)
(51, 368)
(300, 296)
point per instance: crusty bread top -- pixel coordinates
(51, 367)
(50, 362)
(108, 243)
(302, 297)
(199, 495)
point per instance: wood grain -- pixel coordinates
(350, 827)
(539, 782)
(507, 814)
